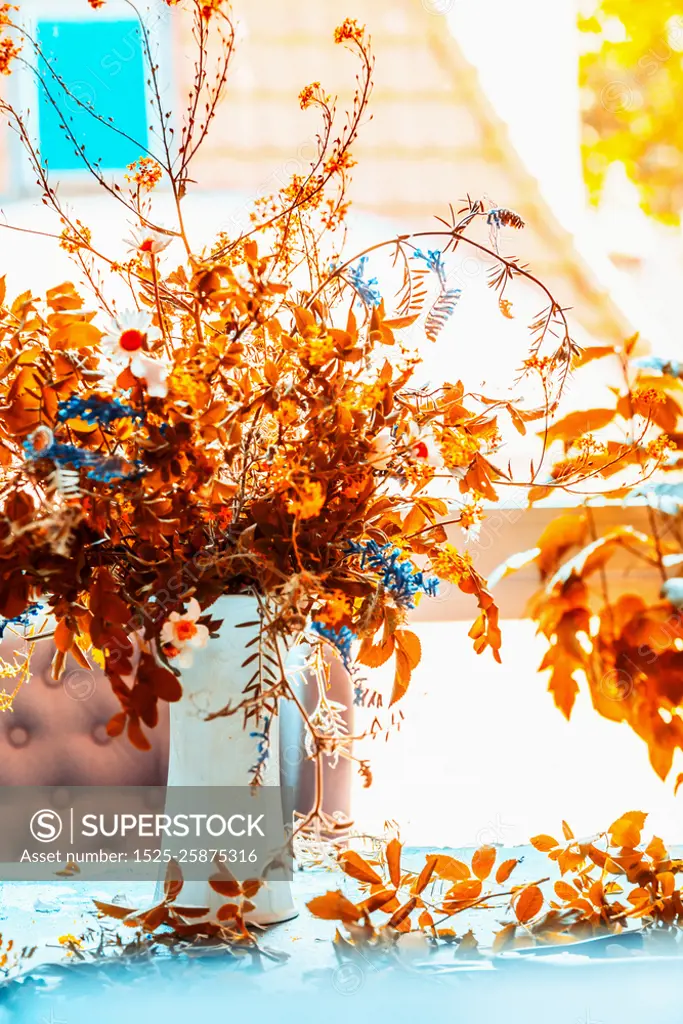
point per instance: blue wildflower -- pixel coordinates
(368, 291)
(263, 746)
(341, 639)
(24, 619)
(101, 411)
(103, 468)
(400, 578)
(434, 260)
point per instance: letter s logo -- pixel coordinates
(46, 826)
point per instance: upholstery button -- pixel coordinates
(100, 735)
(18, 736)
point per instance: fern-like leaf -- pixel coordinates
(441, 312)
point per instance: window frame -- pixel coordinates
(24, 88)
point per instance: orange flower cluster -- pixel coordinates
(308, 94)
(6, 13)
(9, 51)
(349, 31)
(145, 173)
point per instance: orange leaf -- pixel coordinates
(463, 892)
(578, 423)
(425, 875)
(402, 677)
(225, 886)
(113, 910)
(528, 903)
(450, 869)
(410, 645)
(394, 861)
(375, 655)
(587, 355)
(566, 891)
(251, 886)
(191, 911)
(334, 906)
(116, 724)
(154, 917)
(402, 913)
(137, 736)
(656, 849)
(483, 861)
(563, 686)
(505, 938)
(354, 865)
(63, 637)
(625, 831)
(544, 843)
(667, 883)
(380, 901)
(228, 912)
(401, 322)
(76, 335)
(505, 870)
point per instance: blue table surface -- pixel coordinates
(619, 985)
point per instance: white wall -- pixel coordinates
(526, 54)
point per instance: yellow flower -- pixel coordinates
(184, 387)
(71, 240)
(336, 608)
(288, 412)
(70, 940)
(471, 516)
(451, 566)
(457, 448)
(308, 500)
(349, 31)
(320, 350)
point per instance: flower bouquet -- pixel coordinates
(249, 422)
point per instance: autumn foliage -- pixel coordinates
(627, 649)
(253, 423)
(610, 883)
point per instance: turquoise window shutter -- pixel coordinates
(102, 64)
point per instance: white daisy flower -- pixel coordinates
(181, 632)
(148, 240)
(127, 335)
(423, 447)
(125, 342)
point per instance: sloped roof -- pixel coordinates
(433, 138)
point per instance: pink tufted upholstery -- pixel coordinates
(56, 735)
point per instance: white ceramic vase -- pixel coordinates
(222, 752)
